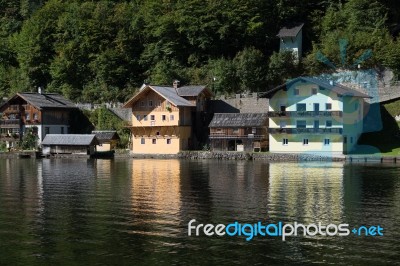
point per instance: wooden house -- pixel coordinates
(239, 132)
(44, 113)
(166, 120)
(108, 140)
(69, 144)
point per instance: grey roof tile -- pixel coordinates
(70, 139)
(46, 100)
(239, 120)
(290, 30)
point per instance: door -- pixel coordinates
(316, 108)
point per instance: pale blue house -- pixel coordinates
(291, 39)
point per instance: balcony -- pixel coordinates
(305, 130)
(224, 136)
(10, 123)
(305, 113)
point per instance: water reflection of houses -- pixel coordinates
(308, 192)
(156, 188)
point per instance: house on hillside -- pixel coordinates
(313, 115)
(166, 120)
(239, 132)
(44, 113)
(108, 140)
(81, 144)
(291, 39)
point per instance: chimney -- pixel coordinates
(176, 84)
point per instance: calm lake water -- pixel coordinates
(120, 212)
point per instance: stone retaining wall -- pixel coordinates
(283, 157)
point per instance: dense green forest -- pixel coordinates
(101, 51)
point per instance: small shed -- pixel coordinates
(239, 132)
(291, 39)
(108, 139)
(69, 144)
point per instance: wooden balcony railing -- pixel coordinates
(10, 122)
(306, 130)
(305, 113)
(225, 136)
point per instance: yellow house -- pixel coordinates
(309, 115)
(165, 119)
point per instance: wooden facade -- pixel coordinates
(43, 113)
(239, 132)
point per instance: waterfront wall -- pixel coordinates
(226, 155)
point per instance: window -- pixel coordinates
(305, 141)
(301, 124)
(142, 141)
(158, 133)
(154, 141)
(282, 124)
(285, 142)
(145, 117)
(150, 103)
(283, 108)
(164, 117)
(142, 103)
(28, 116)
(253, 130)
(168, 141)
(314, 91)
(171, 117)
(152, 117)
(235, 131)
(328, 106)
(327, 141)
(46, 130)
(329, 123)
(345, 140)
(35, 116)
(351, 140)
(296, 92)
(301, 107)
(62, 130)
(138, 117)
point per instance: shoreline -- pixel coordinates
(225, 155)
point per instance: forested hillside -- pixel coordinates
(103, 50)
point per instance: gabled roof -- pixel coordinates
(192, 90)
(290, 30)
(70, 139)
(106, 135)
(335, 87)
(171, 95)
(44, 100)
(123, 113)
(239, 120)
(175, 96)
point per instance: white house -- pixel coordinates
(312, 115)
(291, 39)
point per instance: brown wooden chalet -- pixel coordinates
(239, 132)
(44, 113)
